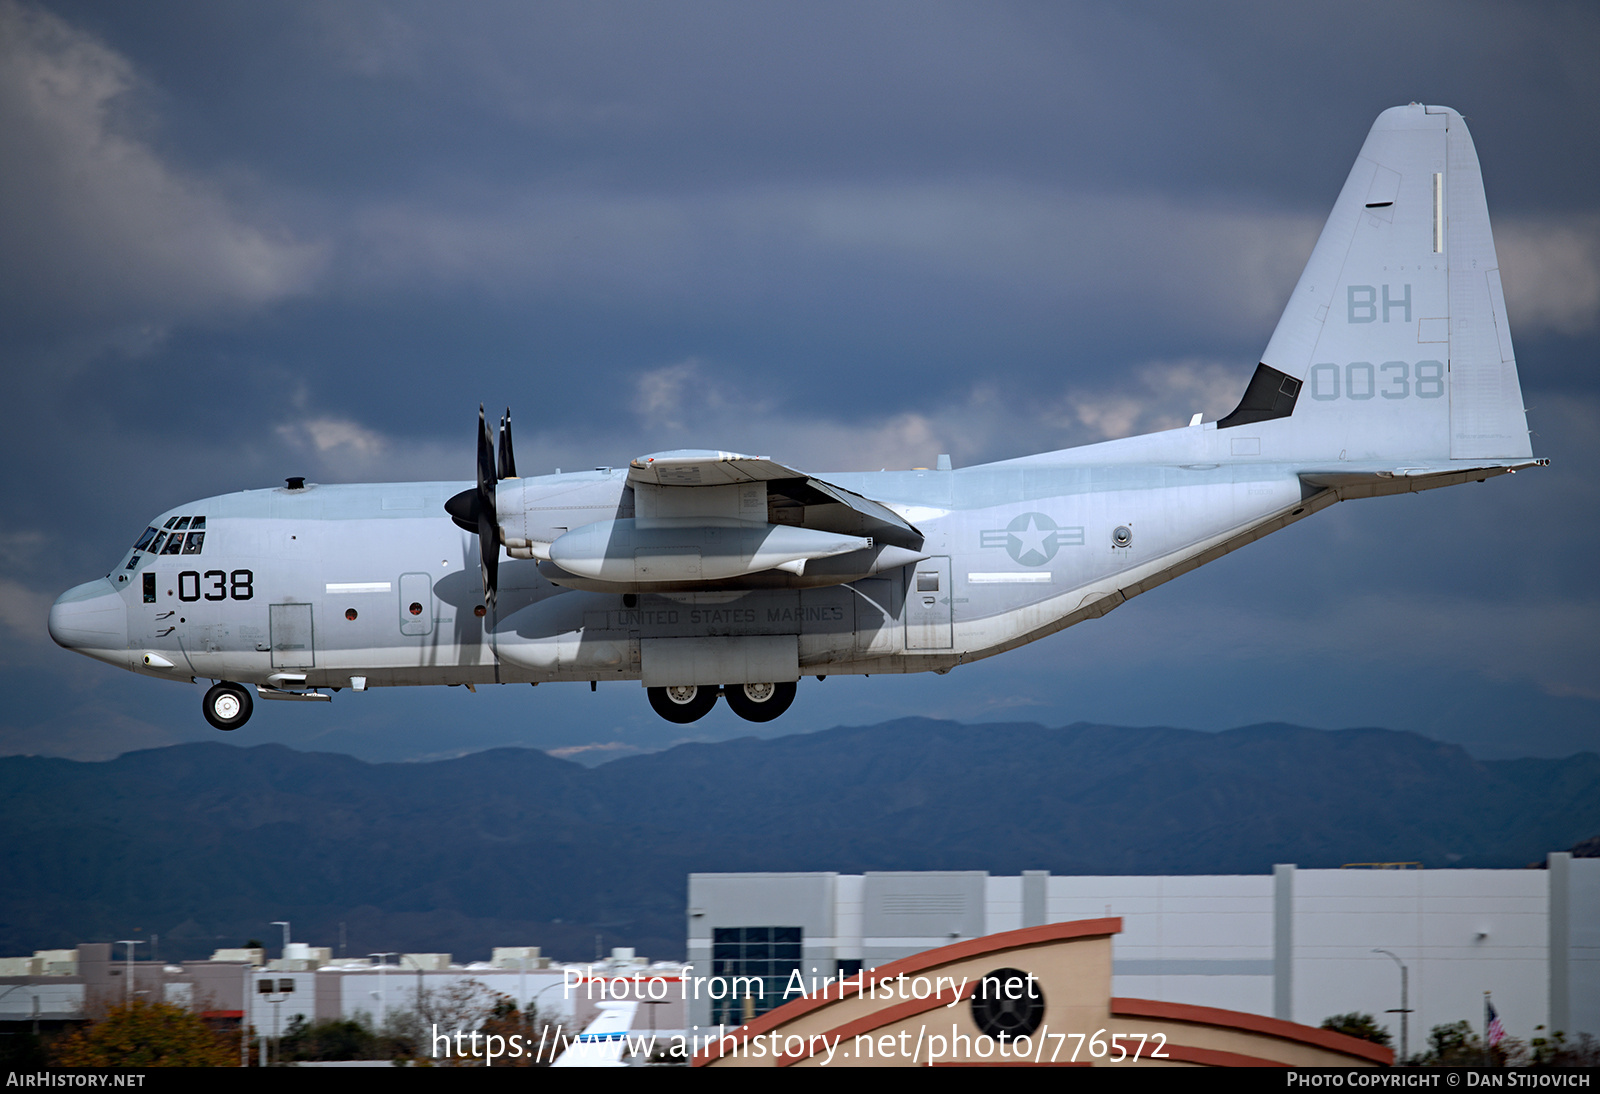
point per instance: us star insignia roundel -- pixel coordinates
(1031, 539)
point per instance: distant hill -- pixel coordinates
(205, 844)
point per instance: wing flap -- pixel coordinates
(793, 496)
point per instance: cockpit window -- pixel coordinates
(172, 542)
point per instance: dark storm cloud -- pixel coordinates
(248, 241)
(383, 96)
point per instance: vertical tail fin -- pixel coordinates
(1395, 343)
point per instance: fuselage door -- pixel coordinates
(928, 605)
(416, 603)
(292, 643)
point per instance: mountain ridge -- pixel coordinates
(205, 843)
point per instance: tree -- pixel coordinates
(1456, 1044)
(1355, 1024)
(141, 1034)
(329, 1039)
(1553, 1050)
(536, 1036)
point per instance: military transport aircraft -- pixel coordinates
(705, 573)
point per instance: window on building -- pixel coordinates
(753, 962)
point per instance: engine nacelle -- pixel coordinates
(624, 554)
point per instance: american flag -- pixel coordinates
(1491, 1023)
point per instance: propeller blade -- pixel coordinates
(508, 462)
(486, 468)
(488, 518)
(489, 559)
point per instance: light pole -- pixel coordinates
(1405, 1008)
(127, 987)
(522, 990)
(382, 1002)
(418, 964)
(533, 1004)
(244, 1019)
(277, 994)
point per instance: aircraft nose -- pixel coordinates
(91, 616)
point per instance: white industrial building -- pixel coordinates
(64, 986)
(1294, 944)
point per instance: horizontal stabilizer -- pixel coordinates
(1352, 482)
(602, 1043)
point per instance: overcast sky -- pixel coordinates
(246, 241)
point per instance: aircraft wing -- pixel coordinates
(793, 497)
(601, 1044)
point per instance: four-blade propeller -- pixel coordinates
(474, 510)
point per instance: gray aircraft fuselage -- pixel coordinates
(1391, 371)
(323, 580)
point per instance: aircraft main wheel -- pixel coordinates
(759, 702)
(227, 705)
(683, 703)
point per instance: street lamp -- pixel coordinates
(418, 964)
(382, 1008)
(533, 1004)
(127, 987)
(245, 1007)
(1404, 1008)
(522, 990)
(277, 994)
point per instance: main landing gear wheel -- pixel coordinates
(227, 705)
(683, 703)
(759, 702)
